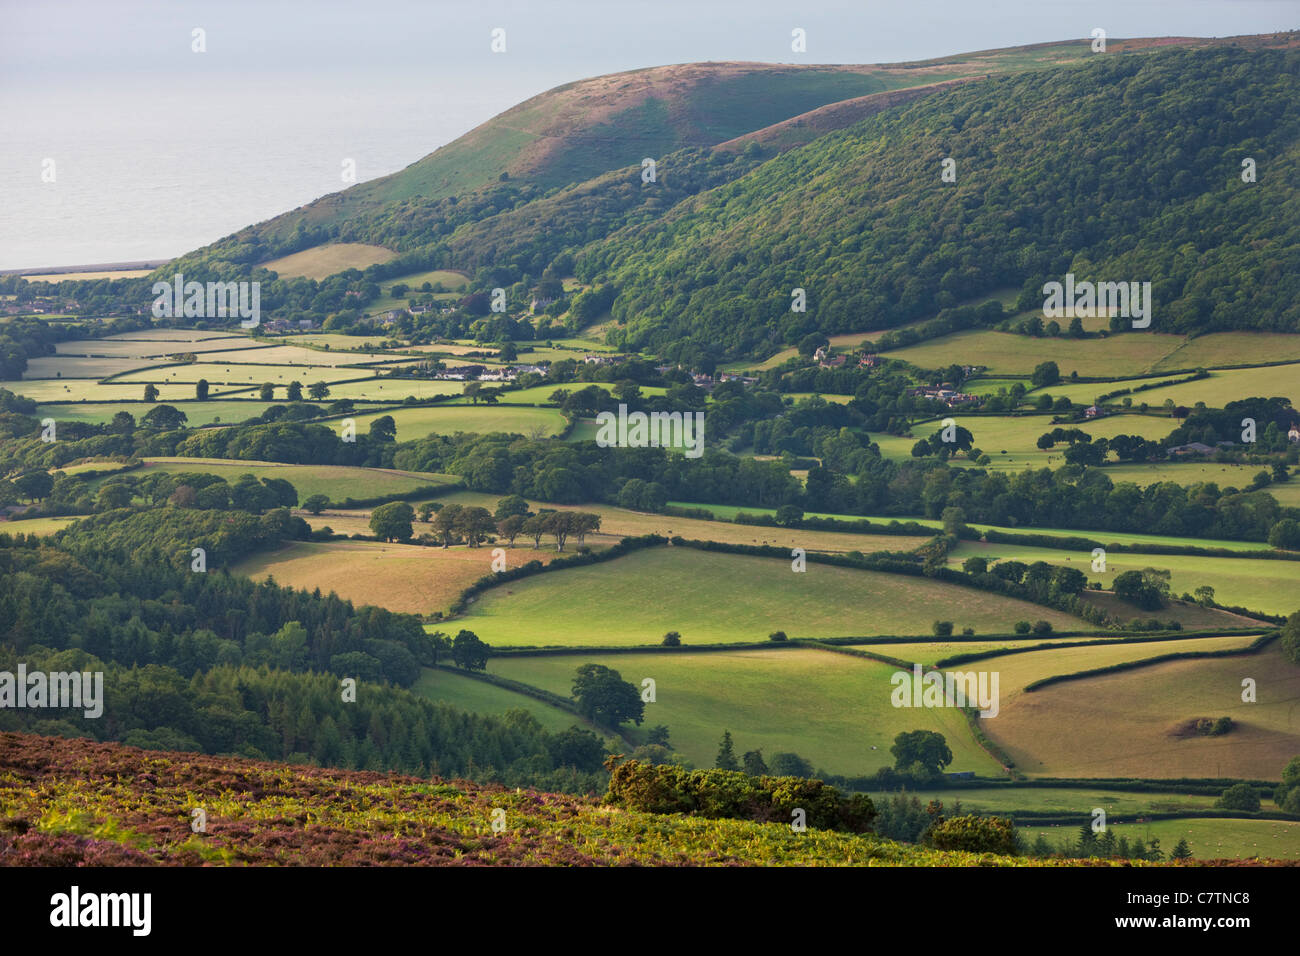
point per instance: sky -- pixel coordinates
(157, 149)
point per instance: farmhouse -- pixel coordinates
(1190, 449)
(1293, 434)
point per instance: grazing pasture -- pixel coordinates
(831, 709)
(337, 482)
(716, 598)
(415, 423)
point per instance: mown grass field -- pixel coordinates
(1080, 800)
(616, 523)
(1119, 724)
(715, 598)
(196, 413)
(481, 697)
(87, 276)
(89, 390)
(1197, 472)
(240, 374)
(1129, 353)
(296, 355)
(828, 708)
(394, 389)
(1119, 537)
(399, 577)
(541, 394)
(1208, 838)
(413, 423)
(174, 335)
(73, 366)
(319, 262)
(1256, 583)
(335, 481)
(929, 652)
(152, 348)
(1011, 441)
(1222, 386)
(40, 526)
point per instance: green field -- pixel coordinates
(1130, 353)
(245, 375)
(89, 390)
(1010, 441)
(1080, 800)
(197, 413)
(1107, 537)
(1198, 472)
(35, 525)
(1209, 839)
(1222, 387)
(1260, 584)
(453, 281)
(480, 697)
(716, 598)
(413, 423)
(394, 389)
(828, 708)
(335, 481)
(541, 394)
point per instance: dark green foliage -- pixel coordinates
(1240, 796)
(603, 696)
(974, 834)
(736, 795)
(927, 748)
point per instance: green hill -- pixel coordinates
(1127, 168)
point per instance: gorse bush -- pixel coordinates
(735, 795)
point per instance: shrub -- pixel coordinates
(1240, 796)
(672, 639)
(1042, 627)
(735, 795)
(778, 636)
(1023, 627)
(974, 835)
(942, 628)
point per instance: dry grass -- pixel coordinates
(1119, 724)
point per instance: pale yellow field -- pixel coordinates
(88, 276)
(399, 577)
(149, 348)
(241, 374)
(319, 262)
(1119, 724)
(296, 355)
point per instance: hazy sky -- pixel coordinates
(158, 149)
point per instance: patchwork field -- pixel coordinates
(413, 423)
(399, 577)
(1194, 472)
(72, 366)
(828, 708)
(1257, 583)
(296, 355)
(716, 598)
(394, 389)
(246, 375)
(1129, 353)
(481, 697)
(197, 413)
(1011, 441)
(153, 348)
(89, 390)
(1118, 537)
(1120, 724)
(335, 481)
(930, 652)
(320, 262)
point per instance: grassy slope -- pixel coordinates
(716, 598)
(1258, 584)
(399, 577)
(335, 481)
(829, 708)
(1117, 724)
(413, 423)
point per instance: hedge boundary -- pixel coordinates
(1253, 648)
